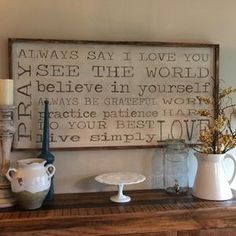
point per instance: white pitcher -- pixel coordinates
(211, 182)
(31, 181)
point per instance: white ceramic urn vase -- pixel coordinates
(30, 181)
(211, 182)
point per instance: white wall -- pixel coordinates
(201, 21)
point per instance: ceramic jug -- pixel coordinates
(30, 181)
(211, 182)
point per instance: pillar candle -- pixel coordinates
(6, 92)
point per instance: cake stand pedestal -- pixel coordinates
(120, 179)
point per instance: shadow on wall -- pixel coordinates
(153, 166)
(157, 168)
(91, 185)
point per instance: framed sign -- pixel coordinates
(110, 94)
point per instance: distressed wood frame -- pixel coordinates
(100, 75)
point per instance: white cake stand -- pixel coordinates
(120, 179)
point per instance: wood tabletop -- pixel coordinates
(150, 212)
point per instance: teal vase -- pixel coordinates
(45, 152)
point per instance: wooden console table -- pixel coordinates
(150, 212)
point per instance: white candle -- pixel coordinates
(6, 92)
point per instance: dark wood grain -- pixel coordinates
(151, 212)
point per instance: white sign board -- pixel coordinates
(107, 94)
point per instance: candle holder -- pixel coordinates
(7, 131)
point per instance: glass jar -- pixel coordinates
(176, 167)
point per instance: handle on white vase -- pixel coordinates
(234, 161)
(8, 174)
(50, 169)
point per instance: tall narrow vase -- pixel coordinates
(211, 182)
(45, 152)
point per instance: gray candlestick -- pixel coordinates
(7, 131)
